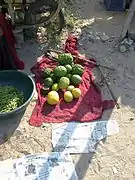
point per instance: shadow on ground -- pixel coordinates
(8, 126)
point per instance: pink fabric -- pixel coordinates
(88, 107)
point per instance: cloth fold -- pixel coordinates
(88, 107)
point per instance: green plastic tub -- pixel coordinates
(26, 85)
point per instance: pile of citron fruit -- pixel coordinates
(66, 76)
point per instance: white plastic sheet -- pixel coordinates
(81, 137)
(47, 166)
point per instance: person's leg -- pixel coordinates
(6, 31)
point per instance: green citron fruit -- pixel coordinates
(78, 69)
(70, 88)
(68, 67)
(47, 72)
(48, 82)
(76, 79)
(76, 92)
(54, 78)
(60, 71)
(69, 76)
(68, 96)
(64, 83)
(55, 87)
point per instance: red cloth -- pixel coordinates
(7, 30)
(87, 108)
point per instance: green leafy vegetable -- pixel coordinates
(65, 59)
(10, 98)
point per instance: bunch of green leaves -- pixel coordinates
(10, 98)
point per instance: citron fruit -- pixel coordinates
(68, 67)
(64, 82)
(53, 98)
(76, 92)
(69, 76)
(68, 96)
(70, 88)
(55, 87)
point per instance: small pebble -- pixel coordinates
(105, 37)
(131, 48)
(91, 38)
(130, 41)
(123, 49)
(45, 125)
(115, 170)
(78, 30)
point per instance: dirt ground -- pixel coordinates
(114, 157)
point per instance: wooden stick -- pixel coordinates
(11, 11)
(110, 91)
(82, 58)
(128, 20)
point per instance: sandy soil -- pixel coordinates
(114, 157)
